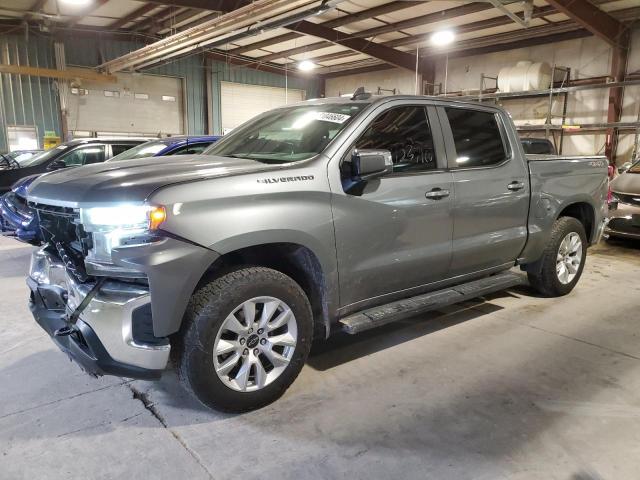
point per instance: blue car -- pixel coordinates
(17, 218)
(180, 145)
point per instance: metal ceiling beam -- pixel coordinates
(215, 5)
(417, 39)
(159, 17)
(168, 23)
(360, 45)
(249, 63)
(592, 18)
(262, 14)
(85, 12)
(35, 8)
(137, 13)
(393, 27)
(338, 22)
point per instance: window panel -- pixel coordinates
(84, 155)
(405, 132)
(477, 137)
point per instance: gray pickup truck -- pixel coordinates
(339, 214)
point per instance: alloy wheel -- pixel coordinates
(255, 344)
(569, 258)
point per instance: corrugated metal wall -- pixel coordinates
(26, 100)
(33, 100)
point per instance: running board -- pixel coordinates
(408, 307)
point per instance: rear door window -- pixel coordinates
(477, 138)
(118, 148)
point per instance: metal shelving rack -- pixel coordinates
(564, 89)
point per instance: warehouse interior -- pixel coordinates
(505, 385)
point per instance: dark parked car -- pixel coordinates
(73, 153)
(18, 218)
(624, 205)
(13, 159)
(181, 145)
(538, 146)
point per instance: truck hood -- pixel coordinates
(627, 183)
(133, 180)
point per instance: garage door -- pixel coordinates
(240, 102)
(136, 104)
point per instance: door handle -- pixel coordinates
(515, 186)
(437, 193)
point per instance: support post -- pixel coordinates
(619, 59)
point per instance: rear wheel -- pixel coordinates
(562, 260)
(245, 339)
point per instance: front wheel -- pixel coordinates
(245, 339)
(563, 259)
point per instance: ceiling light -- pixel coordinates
(442, 38)
(306, 65)
(76, 2)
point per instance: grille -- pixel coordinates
(18, 204)
(61, 230)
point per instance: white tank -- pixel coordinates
(524, 76)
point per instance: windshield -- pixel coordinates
(287, 134)
(44, 156)
(148, 149)
(635, 168)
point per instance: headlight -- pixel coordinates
(117, 226)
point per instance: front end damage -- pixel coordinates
(112, 321)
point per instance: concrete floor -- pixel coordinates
(514, 387)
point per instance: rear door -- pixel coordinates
(491, 186)
(394, 233)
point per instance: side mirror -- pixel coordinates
(57, 165)
(369, 164)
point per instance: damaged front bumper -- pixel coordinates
(114, 332)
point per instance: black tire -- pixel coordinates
(546, 281)
(207, 309)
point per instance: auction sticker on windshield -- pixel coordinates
(332, 117)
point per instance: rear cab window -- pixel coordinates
(478, 137)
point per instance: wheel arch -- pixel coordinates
(296, 260)
(584, 212)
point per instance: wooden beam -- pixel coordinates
(68, 74)
(592, 18)
(338, 22)
(137, 13)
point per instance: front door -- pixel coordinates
(491, 185)
(394, 233)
